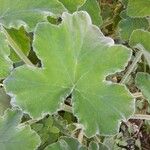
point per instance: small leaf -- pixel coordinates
(143, 83)
(4, 101)
(140, 39)
(5, 63)
(91, 6)
(13, 137)
(72, 5)
(93, 9)
(76, 59)
(66, 143)
(27, 12)
(22, 40)
(138, 8)
(127, 25)
(97, 146)
(54, 130)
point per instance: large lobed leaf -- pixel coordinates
(138, 8)
(76, 57)
(27, 12)
(13, 137)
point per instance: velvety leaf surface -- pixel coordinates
(72, 6)
(13, 137)
(127, 25)
(66, 143)
(76, 59)
(141, 39)
(138, 8)
(22, 40)
(143, 82)
(5, 63)
(27, 12)
(4, 101)
(93, 9)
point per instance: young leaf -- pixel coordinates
(5, 63)
(4, 101)
(76, 59)
(66, 143)
(140, 39)
(12, 136)
(27, 12)
(93, 8)
(72, 6)
(127, 25)
(138, 8)
(143, 82)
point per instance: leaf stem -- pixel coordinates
(16, 48)
(132, 66)
(66, 108)
(140, 116)
(80, 136)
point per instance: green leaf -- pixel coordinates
(93, 8)
(5, 63)
(29, 12)
(4, 101)
(74, 62)
(143, 83)
(12, 136)
(22, 40)
(138, 8)
(97, 146)
(72, 5)
(66, 143)
(140, 39)
(127, 25)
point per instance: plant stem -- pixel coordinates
(140, 116)
(137, 95)
(66, 108)
(80, 136)
(132, 66)
(16, 48)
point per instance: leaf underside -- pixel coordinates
(76, 57)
